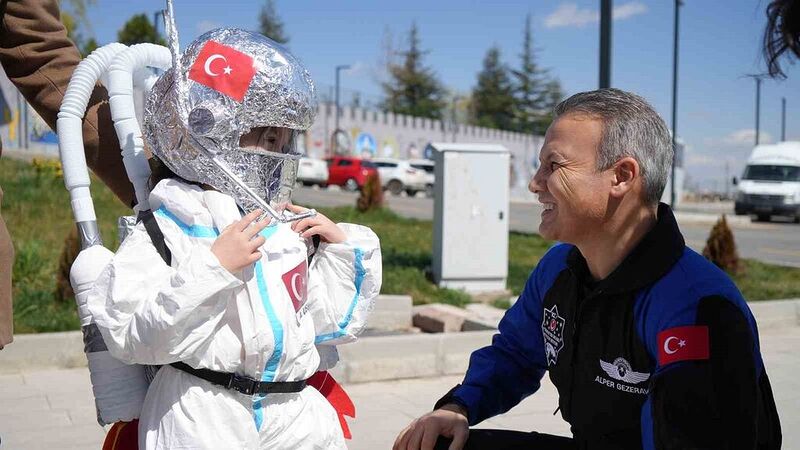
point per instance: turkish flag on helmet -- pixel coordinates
(223, 69)
(682, 344)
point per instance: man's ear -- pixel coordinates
(627, 174)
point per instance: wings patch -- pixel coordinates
(620, 370)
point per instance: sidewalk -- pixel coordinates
(53, 409)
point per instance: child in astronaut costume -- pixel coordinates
(261, 299)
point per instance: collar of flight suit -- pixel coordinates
(651, 259)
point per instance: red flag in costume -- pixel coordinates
(295, 282)
(223, 69)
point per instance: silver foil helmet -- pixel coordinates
(232, 84)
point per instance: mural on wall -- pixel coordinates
(428, 152)
(316, 142)
(341, 143)
(366, 147)
(41, 132)
(389, 148)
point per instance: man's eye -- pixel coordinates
(553, 166)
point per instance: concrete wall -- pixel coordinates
(404, 137)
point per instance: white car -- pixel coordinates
(312, 171)
(398, 176)
(430, 179)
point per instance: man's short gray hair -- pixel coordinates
(631, 128)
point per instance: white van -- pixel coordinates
(770, 185)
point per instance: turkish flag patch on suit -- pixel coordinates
(295, 283)
(223, 69)
(683, 344)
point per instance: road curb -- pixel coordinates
(373, 358)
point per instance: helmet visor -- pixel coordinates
(266, 161)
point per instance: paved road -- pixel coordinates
(777, 243)
(53, 409)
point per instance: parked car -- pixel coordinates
(398, 176)
(349, 172)
(312, 171)
(430, 179)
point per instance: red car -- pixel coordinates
(349, 172)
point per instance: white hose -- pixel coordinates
(69, 127)
(123, 111)
(118, 388)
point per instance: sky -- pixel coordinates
(719, 47)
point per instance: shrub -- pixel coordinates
(721, 248)
(371, 197)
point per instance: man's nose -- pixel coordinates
(537, 183)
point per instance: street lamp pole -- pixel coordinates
(678, 4)
(338, 69)
(783, 119)
(758, 108)
(605, 43)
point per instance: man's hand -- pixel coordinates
(449, 421)
(237, 245)
(318, 224)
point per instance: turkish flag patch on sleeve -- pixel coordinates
(683, 344)
(223, 69)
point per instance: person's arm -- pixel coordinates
(504, 373)
(343, 281)
(39, 59)
(705, 391)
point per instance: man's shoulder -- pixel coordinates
(549, 267)
(675, 299)
(693, 278)
(555, 258)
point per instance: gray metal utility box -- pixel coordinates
(470, 218)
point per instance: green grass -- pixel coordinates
(36, 210)
(37, 213)
(761, 281)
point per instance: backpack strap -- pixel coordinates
(315, 242)
(156, 236)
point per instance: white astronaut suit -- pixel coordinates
(278, 320)
(253, 323)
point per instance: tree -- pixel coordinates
(73, 16)
(270, 25)
(493, 97)
(551, 96)
(529, 102)
(88, 47)
(536, 93)
(138, 30)
(413, 88)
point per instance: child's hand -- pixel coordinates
(317, 225)
(237, 245)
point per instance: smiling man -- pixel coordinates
(648, 344)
